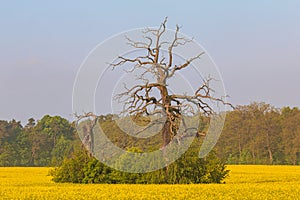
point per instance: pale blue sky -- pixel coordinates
(256, 45)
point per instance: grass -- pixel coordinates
(245, 182)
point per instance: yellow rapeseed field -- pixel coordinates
(245, 182)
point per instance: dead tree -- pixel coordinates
(140, 99)
(87, 134)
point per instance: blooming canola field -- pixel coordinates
(244, 182)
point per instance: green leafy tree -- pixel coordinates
(61, 150)
(291, 134)
(54, 127)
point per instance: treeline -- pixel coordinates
(53, 141)
(253, 134)
(46, 142)
(261, 134)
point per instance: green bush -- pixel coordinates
(72, 169)
(187, 169)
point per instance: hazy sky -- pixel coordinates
(256, 45)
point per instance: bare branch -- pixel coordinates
(184, 65)
(153, 96)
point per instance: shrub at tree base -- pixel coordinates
(188, 169)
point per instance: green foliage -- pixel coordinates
(187, 169)
(261, 134)
(61, 151)
(73, 169)
(254, 134)
(96, 172)
(44, 143)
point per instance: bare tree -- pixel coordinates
(142, 99)
(87, 134)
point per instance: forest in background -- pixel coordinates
(253, 134)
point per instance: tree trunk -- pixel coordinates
(32, 158)
(294, 158)
(166, 132)
(253, 154)
(240, 145)
(269, 148)
(270, 156)
(166, 135)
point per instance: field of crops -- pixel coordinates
(245, 182)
